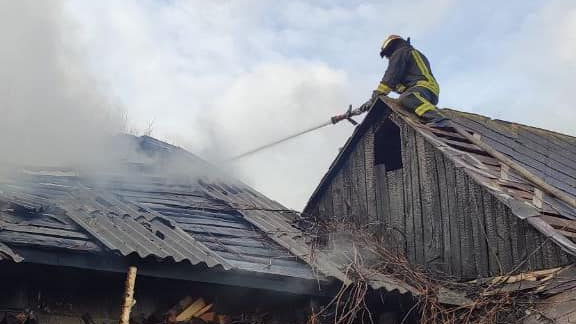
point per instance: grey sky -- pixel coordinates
(220, 77)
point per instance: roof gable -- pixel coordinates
(528, 200)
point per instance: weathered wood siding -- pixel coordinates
(433, 212)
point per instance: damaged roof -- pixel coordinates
(494, 153)
(166, 205)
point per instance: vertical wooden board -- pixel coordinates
(491, 232)
(369, 170)
(317, 210)
(358, 198)
(328, 205)
(383, 201)
(353, 186)
(478, 226)
(429, 201)
(445, 212)
(321, 206)
(519, 242)
(565, 258)
(381, 208)
(347, 192)
(503, 233)
(455, 219)
(535, 252)
(550, 255)
(396, 198)
(408, 206)
(361, 174)
(384, 206)
(416, 198)
(337, 188)
(465, 226)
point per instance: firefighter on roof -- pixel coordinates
(408, 74)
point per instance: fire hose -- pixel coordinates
(334, 120)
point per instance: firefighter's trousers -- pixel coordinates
(418, 100)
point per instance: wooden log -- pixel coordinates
(195, 308)
(128, 296)
(178, 308)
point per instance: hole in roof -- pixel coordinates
(388, 146)
(159, 235)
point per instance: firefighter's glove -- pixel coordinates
(362, 109)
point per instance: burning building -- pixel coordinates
(205, 247)
(481, 199)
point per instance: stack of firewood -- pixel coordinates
(190, 310)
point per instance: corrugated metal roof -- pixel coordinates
(78, 218)
(137, 210)
(210, 219)
(130, 231)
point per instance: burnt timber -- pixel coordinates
(448, 204)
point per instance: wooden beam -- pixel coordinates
(198, 307)
(128, 301)
(538, 198)
(504, 172)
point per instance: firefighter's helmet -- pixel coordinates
(386, 45)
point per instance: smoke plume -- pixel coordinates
(52, 111)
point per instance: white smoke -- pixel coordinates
(52, 112)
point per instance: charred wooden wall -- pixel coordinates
(432, 212)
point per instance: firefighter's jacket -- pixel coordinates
(407, 68)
